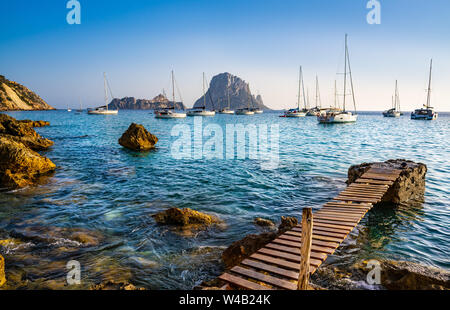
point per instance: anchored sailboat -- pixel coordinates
(104, 110)
(426, 113)
(298, 112)
(202, 110)
(247, 110)
(395, 110)
(227, 110)
(317, 110)
(342, 116)
(170, 112)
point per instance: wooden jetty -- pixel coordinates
(277, 264)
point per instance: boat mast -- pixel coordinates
(396, 97)
(228, 93)
(429, 86)
(204, 95)
(173, 90)
(335, 94)
(106, 90)
(345, 72)
(350, 73)
(303, 89)
(299, 88)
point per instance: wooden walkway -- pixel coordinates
(276, 265)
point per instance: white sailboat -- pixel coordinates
(298, 112)
(104, 110)
(343, 116)
(395, 110)
(426, 113)
(227, 110)
(247, 110)
(170, 112)
(202, 110)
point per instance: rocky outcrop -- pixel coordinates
(412, 276)
(137, 138)
(225, 84)
(131, 103)
(240, 250)
(409, 186)
(2, 271)
(184, 217)
(16, 97)
(35, 123)
(20, 165)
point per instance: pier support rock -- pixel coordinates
(409, 186)
(137, 138)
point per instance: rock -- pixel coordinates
(131, 103)
(225, 84)
(184, 217)
(240, 250)
(19, 165)
(410, 185)
(263, 222)
(2, 271)
(34, 123)
(112, 285)
(137, 138)
(287, 223)
(22, 132)
(411, 276)
(16, 97)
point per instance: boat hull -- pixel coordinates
(226, 112)
(200, 113)
(298, 114)
(109, 112)
(337, 118)
(424, 117)
(169, 115)
(245, 113)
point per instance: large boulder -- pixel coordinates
(22, 131)
(137, 138)
(184, 217)
(409, 186)
(2, 271)
(19, 165)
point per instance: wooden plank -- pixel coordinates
(356, 199)
(361, 195)
(315, 248)
(364, 191)
(264, 278)
(368, 186)
(290, 257)
(288, 249)
(384, 170)
(381, 177)
(349, 205)
(315, 241)
(371, 181)
(292, 275)
(338, 216)
(339, 221)
(337, 211)
(276, 261)
(242, 283)
(317, 233)
(326, 229)
(350, 228)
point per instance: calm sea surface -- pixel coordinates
(111, 192)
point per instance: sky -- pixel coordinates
(137, 43)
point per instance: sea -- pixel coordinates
(109, 194)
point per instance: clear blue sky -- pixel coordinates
(138, 42)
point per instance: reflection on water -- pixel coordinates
(97, 207)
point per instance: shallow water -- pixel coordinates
(101, 187)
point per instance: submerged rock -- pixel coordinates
(287, 223)
(410, 185)
(184, 217)
(19, 165)
(112, 285)
(137, 138)
(263, 222)
(2, 271)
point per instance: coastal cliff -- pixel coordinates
(131, 103)
(239, 92)
(16, 97)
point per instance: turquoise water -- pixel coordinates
(112, 192)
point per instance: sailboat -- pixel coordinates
(227, 110)
(69, 109)
(104, 110)
(81, 108)
(426, 113)
(202, 110)
(342, 116)
(317, 110)
(395, 110)
(169, 112)
(247, 110)
(297, 112)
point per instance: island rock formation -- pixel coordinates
(137, 138)
(239, 91)
(131, 103)
(16, 97)
(409, 186)
(20, 164)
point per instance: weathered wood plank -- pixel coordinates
(371, 181)
(242, 283)
(264, 278)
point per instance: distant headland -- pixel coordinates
(131, 103)
(16, 97)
